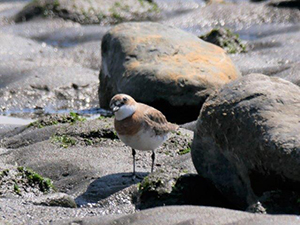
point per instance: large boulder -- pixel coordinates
(163, 66)
(248, 138)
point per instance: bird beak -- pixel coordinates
(115, 108)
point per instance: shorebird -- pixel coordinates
(140, 126)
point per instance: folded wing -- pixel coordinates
(158, 121)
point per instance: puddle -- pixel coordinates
(26, 116)
(14, 118)
(8, 120)
(72, 36)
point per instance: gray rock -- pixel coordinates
(175, 187)
(187, 215)
(93, 168)
(69, 170)
(90, 12)
(163, 66)
(56, 199)
(247, 138)
(281, 202)
(58, 153)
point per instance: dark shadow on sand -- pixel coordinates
(105, 186)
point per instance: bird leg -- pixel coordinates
(133, 175)
(153, 159)
(133, 156)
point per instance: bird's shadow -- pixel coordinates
(105, 186)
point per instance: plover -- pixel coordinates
(139, 126)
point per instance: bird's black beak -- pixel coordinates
(115, 108)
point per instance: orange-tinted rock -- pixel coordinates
(162, 66)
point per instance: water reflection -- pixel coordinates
(25, 116)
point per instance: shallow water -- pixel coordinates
(34, 113)
(9, 120)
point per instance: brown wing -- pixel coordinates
(156, 120)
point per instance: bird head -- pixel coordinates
(122, 106)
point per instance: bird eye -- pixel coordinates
(124, 99)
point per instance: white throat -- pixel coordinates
(125, 111)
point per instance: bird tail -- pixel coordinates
(189, 126)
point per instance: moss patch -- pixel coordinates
(24, 182)
(17, 189)
(65, 141)
(4, 173)
(88, 138)
(88, 133)
(163, 188)
(159, 189)
(158, 184)
(101, 133)
(45, 184)
(184, 151)
(74, 117)
(226, 39)
(70, 118)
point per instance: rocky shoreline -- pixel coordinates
(68, 165)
